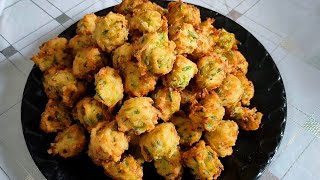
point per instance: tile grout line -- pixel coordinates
(15, 65)
(42, 9)
(54, 6)
(249, 7)
(5, 39)
(214, 9)
(264, 27)
(84, 9)
(20, 100)
(75, 6)
(12, 5)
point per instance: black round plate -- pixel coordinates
(253, 150)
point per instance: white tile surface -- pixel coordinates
(245, 5)
(2, 57)
(301, 83)
(14, 26)
(278, 54)
(80, 7)
(68, 23)
(218, 6)
(12, 82)
(307, 166)
(3, 43)
(231, 3)
(11, 134)
(21, 63)
(65, 5)
(36, 35)
(49, 8)
(10, 2)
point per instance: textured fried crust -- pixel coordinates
(87, 24)
(138, 115)
(79, 42)
(248, 88)
(180, 12)
(203, 161)
(149, 6)
(208, 113)
(230, 91)
(111, 31)
(109, 87)
(53, 53)
(126, 169)
(126, 6)
(107, 143)
(121, 56)
(170, 168)
(167, 101)
(211, 72)
(183, 71)
(226, 40)
(87, 63)
(89, 112)
(155, 53)
(162, 141)
(136, 84)
(61, 83)
(69, 142)
(223, 138)
(184, 36)
(56, 117)
(145, 20)
(185, 128)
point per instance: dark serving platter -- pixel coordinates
(253, 150)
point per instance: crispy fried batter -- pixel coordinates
(184, 36)
(126, 6)
(79, 42)
(121, 56)
(170, 168)
(230, 91)
(149, 6)
(248, 88)
(226, 40)
(180, 12)
(87, 24)
(146, 20)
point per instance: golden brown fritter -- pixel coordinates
(184, 36)
(211, 72)
(126, 169)
(107, 143)
(170, 168)
(136, 84)
(60, 83)
(56, 117)
(155, 53)
(247, 119)
(203, 161)
(185, 128)
(87, 63)
(109, 87)
(223, 138)
(226, 40)
(230, 91)
(236, 62)
(89, 112)
(149, 6)
(111, 31)
(145, 20)
(180, 12)
(248, 88)
(79, 42)
(53, 53)
(126, 6)
(69, 143)
(137, 114)
(162, 141)
(87, 24)
(183, 71)
(121, 56)
(208, 113)
(167, 101)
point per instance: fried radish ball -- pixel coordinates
(149, 6)
(203, 161)
(170, 167)
(211, 71)
(69, 143)
(184, 36)
(90, 112)
(145, 20)
(136, 84)
(126, 169)
(56, 117)
(121, 56)
(183, 71)
(162, 141)
(155, 53)
(137, 114)
(226, 40)
(53, 53)
(223, 138)
(126, 6)
(247, 119)
(184, 126)
(208, 113)
(61, 83)
(167, 101)
(206, 38)
(230, 91)
(79, 42)
(87, 63)
(248, 88)
(87, 24)
(109, 87)
(111, 31)
(238, 64)
(107, 143)
(180, 12)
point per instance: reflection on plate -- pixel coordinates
(252, 153)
